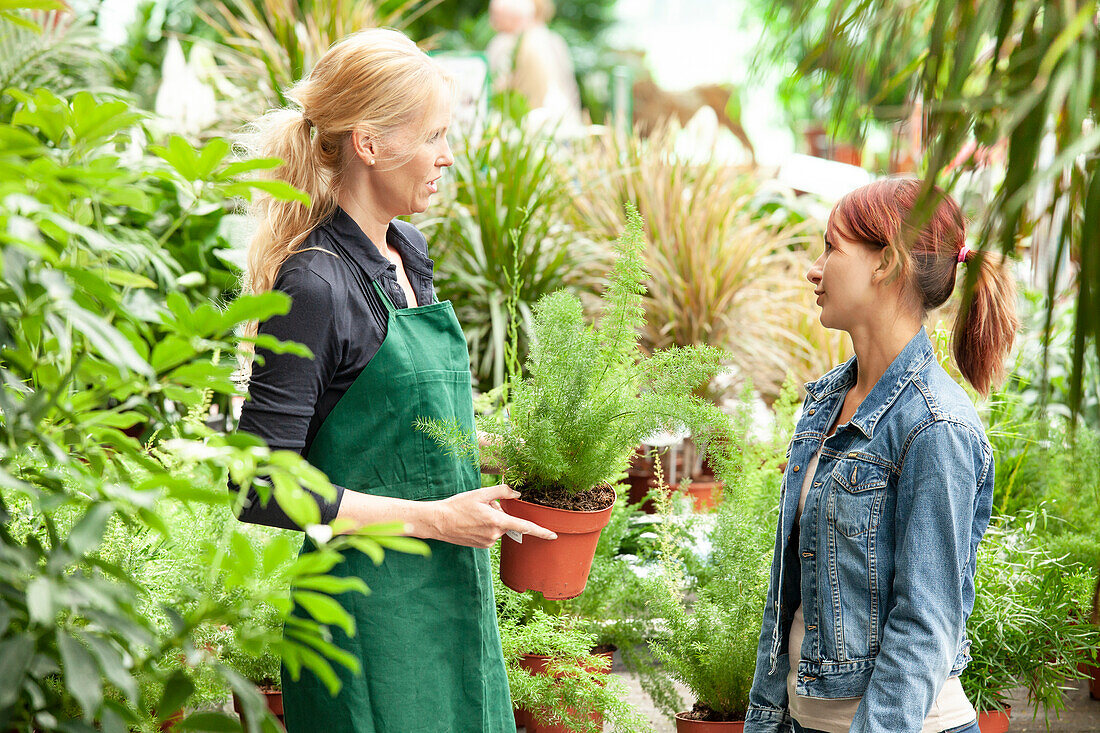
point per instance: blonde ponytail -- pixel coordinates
(282, 225)
(986, 324)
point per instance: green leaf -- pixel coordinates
(409, 545)
(17, 652)
(81, 675)
(177, 691)
(325, 610)
(247, 166)
(213, 153)
(40, 606)
(88, 532)
(280, 190)
(331, 585)
(129, 279)
(216, 722)
(368, 547)
(112, 666)
(106, 340)
(170, 352)
(315, 563)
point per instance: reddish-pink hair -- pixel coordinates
(923, 247)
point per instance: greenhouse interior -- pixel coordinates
(558, 366)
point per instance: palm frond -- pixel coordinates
(53, 49)
(1010, 92)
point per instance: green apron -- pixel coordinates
(426, 634)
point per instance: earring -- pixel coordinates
(371, 162)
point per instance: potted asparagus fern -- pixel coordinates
(589, 397)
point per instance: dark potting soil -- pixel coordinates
(603, 649)
(699, 711)
(593, 500)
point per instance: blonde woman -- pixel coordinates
(368, 144)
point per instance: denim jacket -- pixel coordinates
(883, 557)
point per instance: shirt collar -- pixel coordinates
(912, 359)
(367, 255)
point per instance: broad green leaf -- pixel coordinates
(170, 352)
(213, 153)
(81, 675)
(409, 545)
(177, 691)
(88, 532)
(247, 166)
(216, 722)
(330, 584)
(280, 190)
(106, 340)
(17, 652)
(325, 610)
(128, 279)
(315, 563)
(112, 666)
(40, 601)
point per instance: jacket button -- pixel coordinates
(811, 412)
(796, 469)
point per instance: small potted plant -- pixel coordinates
(1022, 630)
(711, 647)
(261, 667)
(572, 424)
(559, 682)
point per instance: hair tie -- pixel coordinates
(964, 252)
(307, 120)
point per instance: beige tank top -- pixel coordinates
(951, 708)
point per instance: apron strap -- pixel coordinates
(390, 307)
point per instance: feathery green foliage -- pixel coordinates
(501, 242)
(576, 683)
(592, 395)
(1022, 629)
(711, 648)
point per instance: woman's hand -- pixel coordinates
(475, 519)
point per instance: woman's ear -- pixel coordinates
(887, 268)
(364, 146)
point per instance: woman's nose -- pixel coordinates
(448, 158)
(814, 273)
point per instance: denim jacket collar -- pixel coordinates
(910, 361)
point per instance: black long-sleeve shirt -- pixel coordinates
(339, 316)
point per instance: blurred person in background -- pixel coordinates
(525, 56)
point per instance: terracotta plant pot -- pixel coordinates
(556, 568)
(1094, 681)
(994, 721)
(705, 495)
(687, 725)
(536, 664)
(273, 698)
(520, 715)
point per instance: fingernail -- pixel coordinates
(553, 536)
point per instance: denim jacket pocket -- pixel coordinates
(855, 507)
